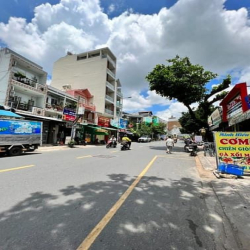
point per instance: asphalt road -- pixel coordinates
(142, 199)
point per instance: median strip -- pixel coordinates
(12, 169)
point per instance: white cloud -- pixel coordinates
(139, 102)
(175, 109)
(204, 31)
(111, 8)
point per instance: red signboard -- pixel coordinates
(103, 121)
(234, 104)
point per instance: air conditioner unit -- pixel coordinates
(84, 121)
(37, 111)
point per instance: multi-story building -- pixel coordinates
(23, 83)
(93, 70)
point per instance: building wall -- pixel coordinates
(4, 75)
(87, 73)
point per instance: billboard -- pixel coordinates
(69, 114)
(10, 127)
(233, 148)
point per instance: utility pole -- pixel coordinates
(73, 130)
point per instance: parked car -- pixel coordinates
(144, 138)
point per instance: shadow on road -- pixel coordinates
(159, 214)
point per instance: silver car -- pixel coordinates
(144, 138)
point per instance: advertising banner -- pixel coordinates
(103, 121)
(69, 114)
(19, 127)
(233, 148)
(123, 123)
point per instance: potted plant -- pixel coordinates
(71, 143)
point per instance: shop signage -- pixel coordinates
(123, 123)
(215, 118)
(247, 99)
(69, 114)
(103, 121)
(233, 148)
(234, 107)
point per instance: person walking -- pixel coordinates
(169, 144)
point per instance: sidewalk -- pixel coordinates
(233, 197)
(49, 147)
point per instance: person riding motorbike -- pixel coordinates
(126, 140)
(112, 141)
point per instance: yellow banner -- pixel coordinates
(233, 148)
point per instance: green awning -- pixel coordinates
(98, 130)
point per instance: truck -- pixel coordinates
(18, 136)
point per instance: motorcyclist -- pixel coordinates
(127, 140)
(112, 140)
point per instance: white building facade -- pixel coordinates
(23, 83)
(96, 71)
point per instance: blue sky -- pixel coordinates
(25, 8)
(214, 33)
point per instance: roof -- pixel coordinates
(9, 114)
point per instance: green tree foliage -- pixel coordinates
(150, 129)
(186, 83)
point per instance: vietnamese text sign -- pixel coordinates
(69, 114)
(233, 148)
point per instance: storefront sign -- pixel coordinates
(215, 119)
(103, 121)
(234, 107)
(69, 114)
(247, 99)
(233, 148)
(123, 123)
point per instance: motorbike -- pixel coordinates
(124, 145)
(193, 148)
(111, 144)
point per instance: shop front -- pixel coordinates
(235, 107)
(95, 134)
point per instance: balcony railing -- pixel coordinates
(30, 85)
(108, 111)
(119, 105)
(119, 94)
(88, 106)
(111, 61)
(111, 73)
(54, 108)
(109, 85)
(109, 98)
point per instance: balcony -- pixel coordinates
(53, 108)
(109, 98)
(108, 111)
(29, 85)
(110, 86)
(119, 94)
(119, 105)
(111, 73)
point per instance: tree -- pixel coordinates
(185, 82)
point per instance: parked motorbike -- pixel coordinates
(124, 145)
(111, 144)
